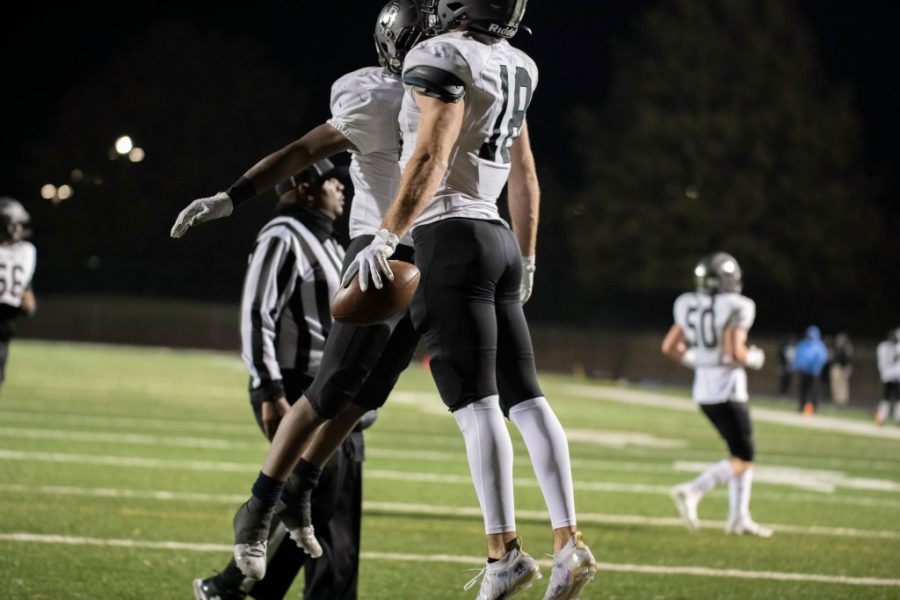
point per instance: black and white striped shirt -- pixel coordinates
(294, 270)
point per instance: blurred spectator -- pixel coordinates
(785, 364)
(17, 261)
(825, 376)
(888, 353)
(809, 360)
(841, 369)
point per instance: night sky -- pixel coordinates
(48, 52)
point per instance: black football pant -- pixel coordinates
(468, 306)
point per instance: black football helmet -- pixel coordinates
(14, 220)
(399, 27)
(499, 18)
(718, 272)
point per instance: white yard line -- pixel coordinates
(656, 400)
(404, 476)
(126, 438)
(432, 510)
(22, 537)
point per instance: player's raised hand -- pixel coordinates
(371, 262)
(201, 211)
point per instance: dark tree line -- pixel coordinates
(722, 132)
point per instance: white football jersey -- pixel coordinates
(499, 81)
(17, 262)
(704, 319)
(888, 354)
(364, 108)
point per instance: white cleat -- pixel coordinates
(305, 537)
(573, 568)
(686, 501)
(251, 559)
(511, 574)
(747, 526)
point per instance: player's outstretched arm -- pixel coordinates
(321, 142)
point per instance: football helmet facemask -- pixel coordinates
(399, 27)
(718, 272)
(14, 220)
(499, 18)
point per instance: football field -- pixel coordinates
(121, 467)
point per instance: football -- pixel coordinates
(353, 306)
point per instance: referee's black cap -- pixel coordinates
(316, 173)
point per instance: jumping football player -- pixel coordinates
(360, 365)
(464, 137)
(710, 336)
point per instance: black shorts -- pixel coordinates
(362, 364)
(892, 390)
(732, 420)
(469, 309)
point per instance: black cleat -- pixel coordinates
(251, 532)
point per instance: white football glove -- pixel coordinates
(372, 261)
(528, 268)
(201, 211)
(755, 359)
(689, 358)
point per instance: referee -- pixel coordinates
(292, 274)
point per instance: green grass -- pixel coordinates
(76, 420)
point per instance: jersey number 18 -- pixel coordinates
(496, 148)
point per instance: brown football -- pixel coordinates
(353, 306)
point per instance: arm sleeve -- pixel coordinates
(438, 70)
(267, 283)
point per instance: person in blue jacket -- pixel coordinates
(809, 360)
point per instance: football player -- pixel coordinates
(710, 336)
(360, 365)
(888, 355)
(464, 137)
(17, 263)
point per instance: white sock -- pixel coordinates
(884, 409)
(549, 451)
(745, 483)
(734, 498)
(718, 473)
(490, 453)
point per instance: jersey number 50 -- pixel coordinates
(513, 113)
(702, 324)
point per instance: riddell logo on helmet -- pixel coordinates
(500, 30)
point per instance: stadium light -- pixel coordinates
(136, 155)
(48, 191)
(76, 175)
(65, 192)
(124, 145)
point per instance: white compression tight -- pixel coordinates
(549, 451)
(490, 454)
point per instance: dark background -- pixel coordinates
(207, 91)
